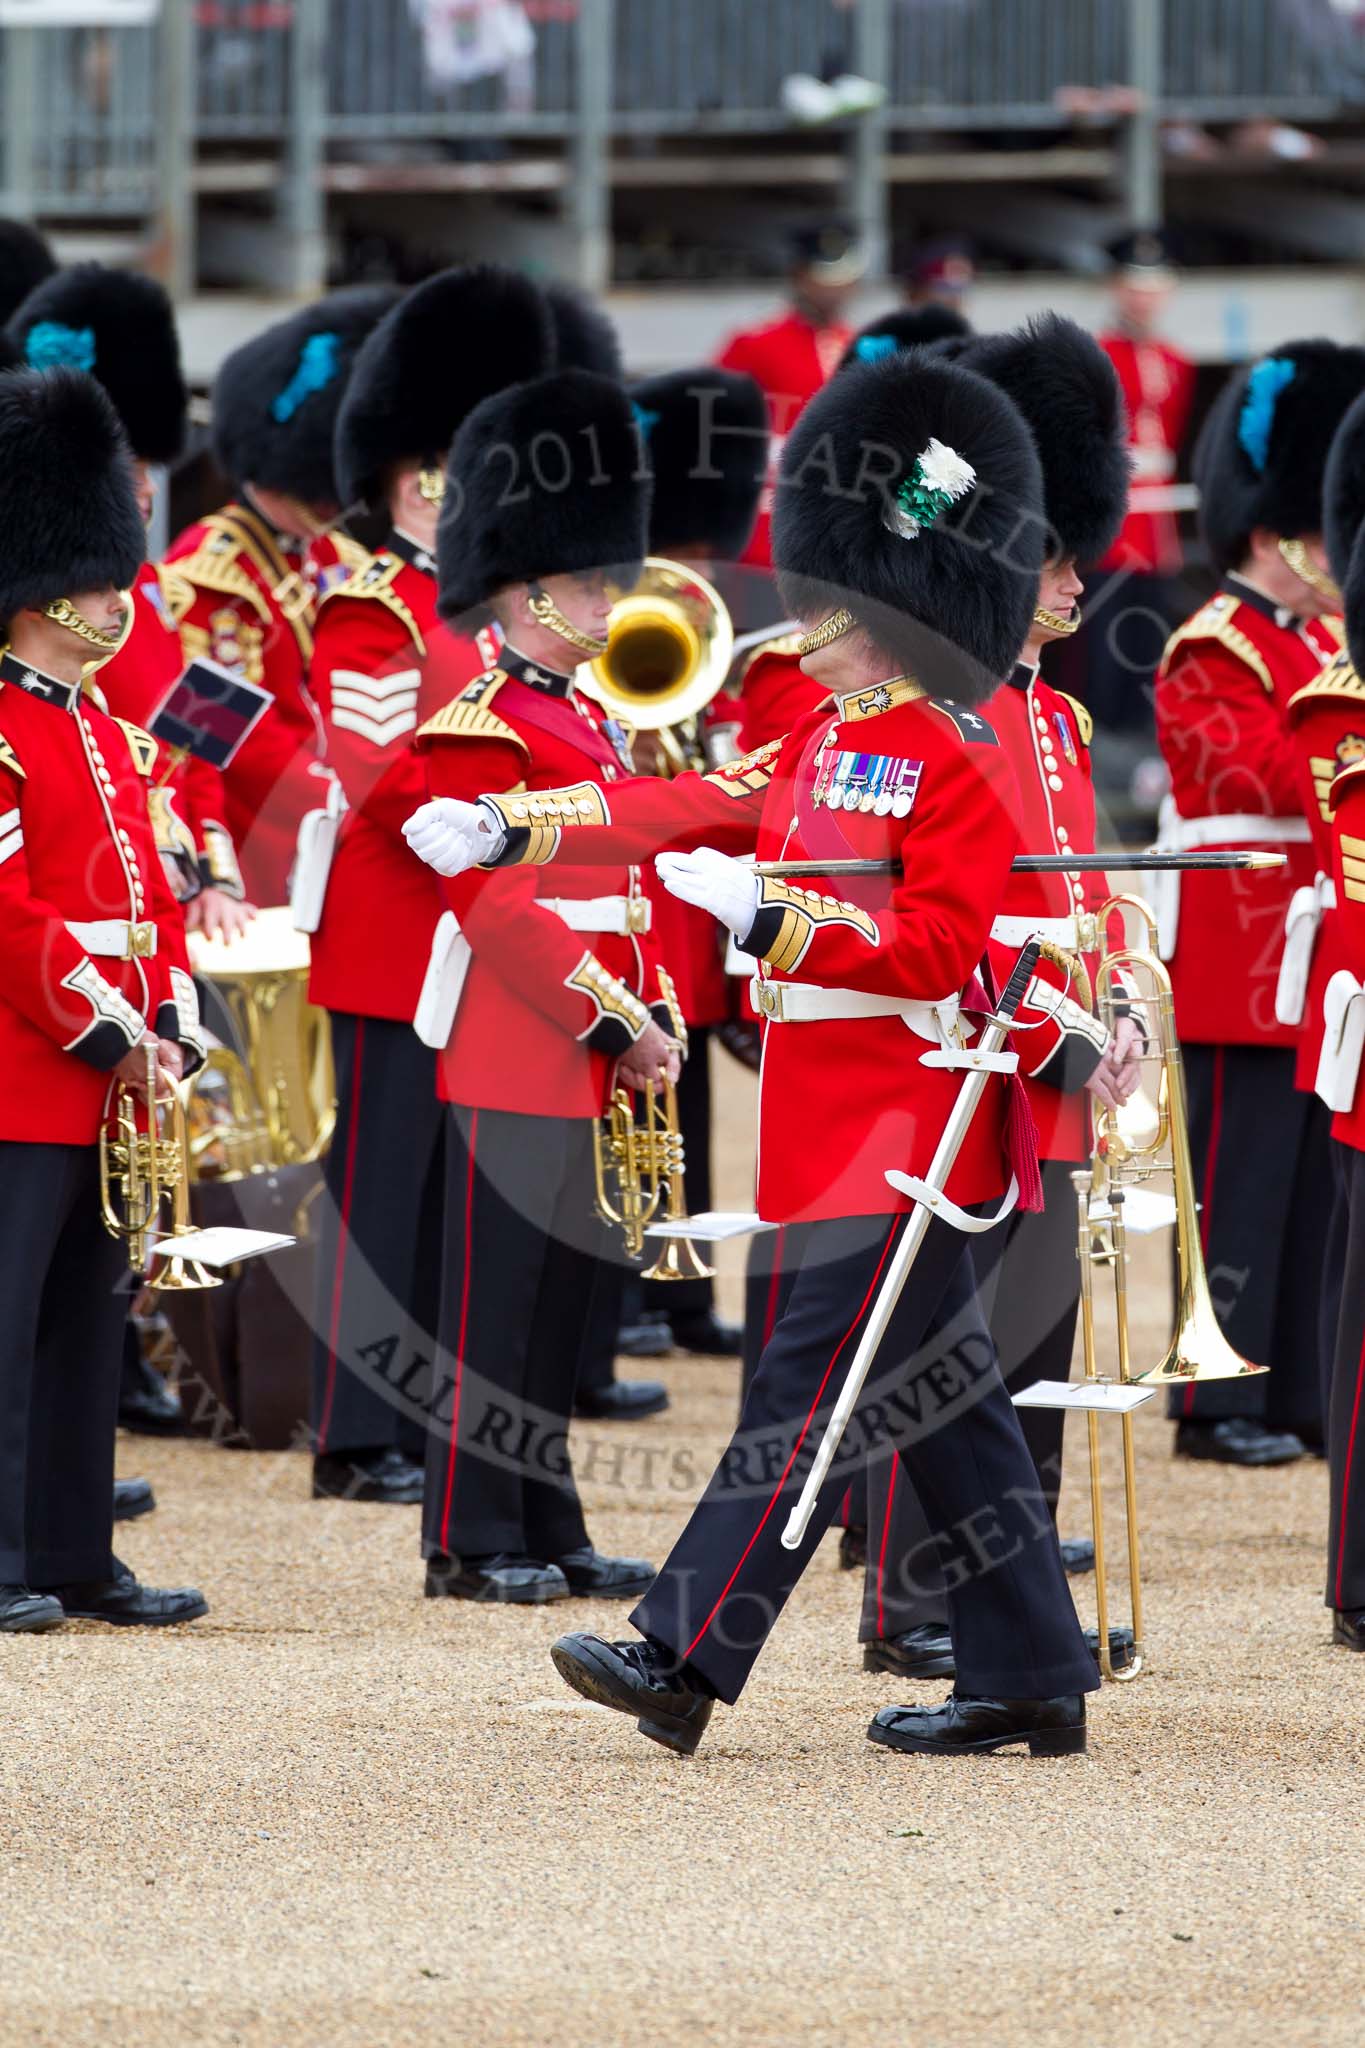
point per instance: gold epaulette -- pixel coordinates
(352, 552)
(10, 760)
(177, 591)
(1085, 724)
(216, 566)
(1214, 622)
(141, 745)
(781, 643)
(374, 579)
(748, 774)
(468, 716)
(1349, 779)
(1338, 680)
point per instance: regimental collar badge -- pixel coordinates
(36, 684)
(881, 697)
(410, 551)
(547, 680)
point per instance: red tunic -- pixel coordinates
(1158, 389)
(539, 998)
(1346, 803)
(329, 559)
(1222, 694)
(1326, 722)
(76, 846)
(369, 680)
(790, 358)
(843, 1100)
(189, 802)
(252, 610)
(1046, 736)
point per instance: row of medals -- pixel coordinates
(878, 785)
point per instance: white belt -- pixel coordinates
(1077, 934)
(1342, 1041)
(793, 1002)
(1302, 919)
(1191, 835)
(622, 915)
(116, 938)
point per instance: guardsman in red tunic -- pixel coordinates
(275, 404)
(95, 975)
(545, 993)
(868, 986)
(1222, 700)
(120, 327)
(1134, 590)
(705, 441)
(794, 356)
(372, 906)
(1027, 1270)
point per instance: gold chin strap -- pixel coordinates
(62, 612)
(830, 629)
(431, 485)
(1053, 622)
(546, 613)
(1295, 554)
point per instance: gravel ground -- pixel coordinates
(334, 1813)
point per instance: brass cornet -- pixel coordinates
(141, 1171)
(645, 1158)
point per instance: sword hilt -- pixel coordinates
(1021, 974)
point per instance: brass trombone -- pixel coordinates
(140, 1172)
(668, 652)
(645, 1158)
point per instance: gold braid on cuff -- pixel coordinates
(830, 629)
(546, 613)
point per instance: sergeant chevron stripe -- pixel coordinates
(378, 708)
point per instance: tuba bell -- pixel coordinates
(669, 646)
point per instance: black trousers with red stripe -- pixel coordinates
(1262, 1167)
(380, 1242)
(64, 1293)
(524, 1249)
(1028, 1288)
(1346, 1407)
(728, 1577)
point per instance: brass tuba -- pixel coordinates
(668, 651)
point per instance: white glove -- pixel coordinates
(714, 882)
(452, 836)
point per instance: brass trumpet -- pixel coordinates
(140, 1172)
(645, 1157)
(668, 652)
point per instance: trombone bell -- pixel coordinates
(668, 649)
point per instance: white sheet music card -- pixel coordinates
(222, 1245)
(1107, 1396)
(712, 1226)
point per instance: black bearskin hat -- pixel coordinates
(25, 260)
(545, 479)
(910, 492)
(905, 327)
(1260, 457)
(1343, 524)
(69, 511)
(584, 337)
(1067, 390)
(450, 342)
(705, 438)
(275, 398)
(120, 326)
